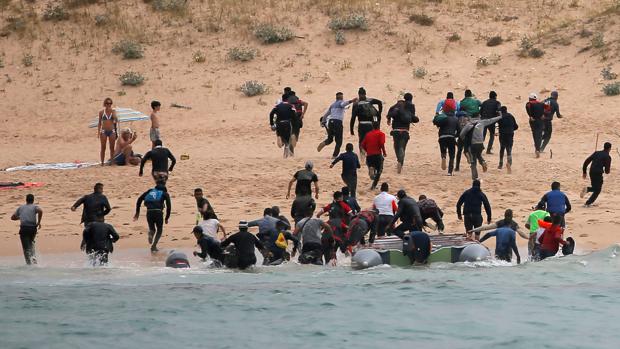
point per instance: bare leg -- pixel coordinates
(112, 140)
(102, 139)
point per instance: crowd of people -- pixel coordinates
(463, 127)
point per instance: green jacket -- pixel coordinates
(471, 106)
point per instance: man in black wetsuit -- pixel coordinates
(507, 127)
(98, 241)
(159, 157)
(409, 215)
(244, 242)
(209, 247)
(280, 119)
(551, 108)
(95, 204)
(599, 162)
(473, 199)
(401, 115)
(304, 178)
(155, 199)
(420, 247)
(364, 110)
(536, 111)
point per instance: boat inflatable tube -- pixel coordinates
(474, 253)
(177, 260)
(366, 259)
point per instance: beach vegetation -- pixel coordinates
(348, 22)
(612, 89)
(454, 37)
(269, 33)
(27, 60)
(131, 78)
(495, 40)
(421, 19)
(55, 11)
(608, 74)
(419, 73)
(199, 57)
(129, 49)
(253, 88)
(242, 53)
(340, 38)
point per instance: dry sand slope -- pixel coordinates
(46, 106)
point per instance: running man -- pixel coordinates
(488, 110)
(301, 107)
(244, 242)
(203, 204)
(154, 132)
(374, 147)
(556, 202)
(551, 107)
(505, 243)
(107, 128)
(401, 115)
(471, 202)
(333, 119)
(98, 241)
(507, 126)
(470, 105)
(280, 119)
(155, 199)
(599, 162)
(304, 178)
(365, 111)
(95, 204)
(448, 105)
(300, 207)
(385, 204)
(448, 126)
(124, 149)
(473, 139)
(159, 157)
(350, 164)
(29, 216)
(536, 112)
(409, 215)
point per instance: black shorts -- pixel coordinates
(374, 161)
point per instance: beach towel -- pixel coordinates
(53, 166)
(20, 185)
(124, 115)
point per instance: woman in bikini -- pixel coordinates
(106, 129)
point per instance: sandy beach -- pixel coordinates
(46, 109)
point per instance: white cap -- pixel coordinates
(533, 95)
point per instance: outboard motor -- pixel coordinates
(177, 260)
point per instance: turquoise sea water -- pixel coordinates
(571, 302)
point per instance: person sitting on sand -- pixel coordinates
(98, 241)
(159, 157)
(107, 128)
(209, 247)
(505, 243)
(244, 242)
(124, 150)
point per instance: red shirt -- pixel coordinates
(374, 143)
(551, 239)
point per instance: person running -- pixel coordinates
(599, 162)
(98, 241)
(155, 199)
(333, 119)
(244, 242)
(304, 178)
(266, 225)
(470, 105)
(211, 226)
(281, 119)
(340, 215)
(507, 126)
(209, 247)
(385, 204)
(350, 200)
(154, 132)
(301, 107)
(471, 202)
(505, 243)
(107, 128)
(124, 149)
(536, 111)
(420, 247)
(29, 216)
(350, 164)
(365, 112)
(448, 126)
(551, 239)
(203, 205)
(401, 115)
(409, 215)
(316, 240)
(159, 157)
(473, 139)
(300, 207)
(448, 105)
(359, 226)
(556, 202)
(277, 243)
(551, 107)
(374, 147)
(532, 225)
(507, 221)
(460, 142)
(488, 110)
(95, 204)
(430, 209)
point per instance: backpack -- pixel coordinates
(281, 241)
(405, 116)
(367, 111)
(153, 198)
(547, 106)
(449, 105)
(439, 118)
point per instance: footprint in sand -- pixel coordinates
(584, 235)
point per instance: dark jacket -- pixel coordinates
(94, 204)
(472, 200)
(300, 207)
(210, 247)
(355, 111)
(99, 237)
(156, 205)
(556, 202)
(448, 127)
(489, 108)
(408, 212)
(555, 108)
(601, 162)
(396, 114)
(507, 124)
(159, 157)
(282, 112)
(535, 109)
(244, 242)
